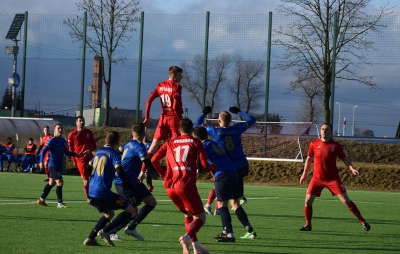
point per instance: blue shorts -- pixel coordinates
(134, 197)
(111, 203)
(225, 185)
(55, 173)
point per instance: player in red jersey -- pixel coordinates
(82, 141)
(169, 92)
(325, 151)
(45, 138)
(180, 180)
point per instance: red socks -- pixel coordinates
(211, 196)
(193, 228)
(353, 208)
(308, 211)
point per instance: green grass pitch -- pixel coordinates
(276, 213)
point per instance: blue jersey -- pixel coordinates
(147, 145)
(133, 153)
(231, 138)
(104, 163)
(217, 156)
(57, 147)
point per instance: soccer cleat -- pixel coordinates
(133, 233)
(46, 180)
(185, 242)
(249, 235)
(150, 188)
(366, 226)
(91, 242)
(216, 212)
(198, 249)
(20, 170)
(42, 203)
(226, 240)
(305, 228)
(115, 237)
(106, 237)
(61, 205)
(221, 235)
(207, 209)
(243, 200)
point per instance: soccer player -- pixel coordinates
(229, 137)
(325, 151)
(45, 138)
(180, 180)
(104, 165)
(169, 92)
(28, 160)
(134, 154)
(82, 141)
(8, 153)
(225, 183)
(57, 147)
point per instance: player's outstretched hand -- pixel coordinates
(206, 110)
(234, 110)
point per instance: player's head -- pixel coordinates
(80, 122)
(224, 119)
(138, 131)
(186, 126)
(30, 140)
(58, 129)
(175, 73)
(46, 130)
(326, 131)
(200, 133)
(112, 138)
(9, 140)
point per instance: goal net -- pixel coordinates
(276, 141)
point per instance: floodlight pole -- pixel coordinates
(13, 89)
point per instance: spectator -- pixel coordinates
(28, 161)
(7, 154)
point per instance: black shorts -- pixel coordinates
(225, 185)
(243, 171)
(111, 203)
(55, 173)
(134, 197)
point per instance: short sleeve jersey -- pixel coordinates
(325, 154)
(104, 163)
(169, 93)
(181, 156)
(45, 138)
(57, 147)
(80, 141)
(133, 155)
(217, 156)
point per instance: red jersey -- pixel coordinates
(325, 154)
(80, 141)
(181, 156)
(45, 138)
(169, 93)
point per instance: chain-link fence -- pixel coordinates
(54, 68)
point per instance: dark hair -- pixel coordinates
(112, 138)
(30, 139)
(47, 127)
(186, 125)
(174, 70)
(200, 133)
(138, 128)
(78, 117)
(328, 124)
(9, 138)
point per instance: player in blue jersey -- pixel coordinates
(230, 138)
(105, 163)
(225, 183)
(134, 154)
(57, 146)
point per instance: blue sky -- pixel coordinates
(375, 108)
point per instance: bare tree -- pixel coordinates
(310, 40)
(110, 23)
(311, 89)
(192, 78)
(247, 83)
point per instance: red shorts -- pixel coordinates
(81, 165)
(186, 199)
(167, 125)
(316, 186)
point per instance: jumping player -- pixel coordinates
(325, 151)
(81, 141)
(180, 180)
(169, 92)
